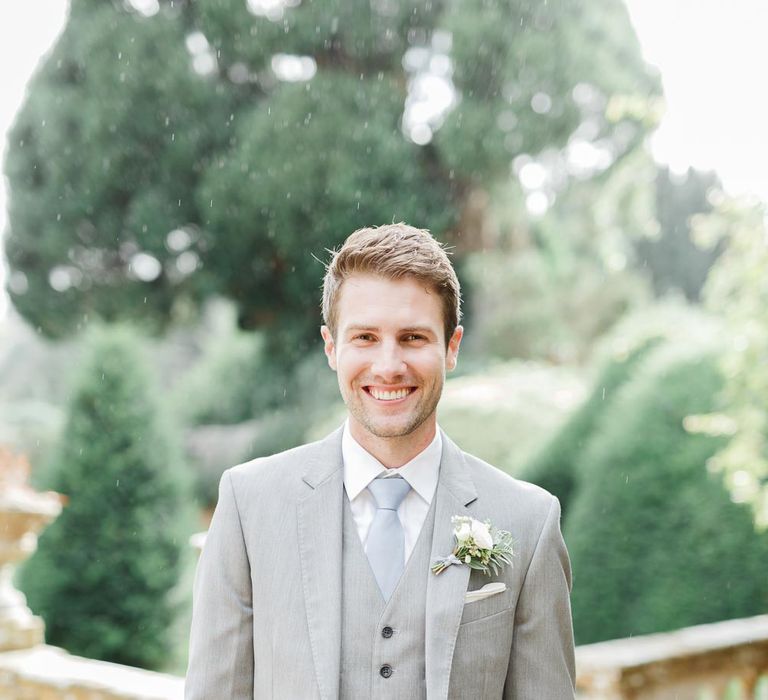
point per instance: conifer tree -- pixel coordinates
(212, 147)
(103, 575)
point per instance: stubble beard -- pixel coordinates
(422, 411)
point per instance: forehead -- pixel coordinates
(372, 300)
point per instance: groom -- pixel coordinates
(315, 580)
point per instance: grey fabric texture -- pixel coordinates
(365, 645)
(267, 605)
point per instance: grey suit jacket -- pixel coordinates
(267, 595)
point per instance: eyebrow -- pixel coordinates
(410, 329)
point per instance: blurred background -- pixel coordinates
(176, 171)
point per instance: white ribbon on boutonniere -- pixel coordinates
(478, 545)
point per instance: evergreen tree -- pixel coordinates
(214, 147)
(655, 541)
(674, 259)
(103, 573)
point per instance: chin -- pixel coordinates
(392, 430)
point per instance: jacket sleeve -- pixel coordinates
(542, 657)
(221, 639)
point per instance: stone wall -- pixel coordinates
(49, 673)
(687, 664)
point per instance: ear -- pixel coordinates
(329, 346)
(452, 354)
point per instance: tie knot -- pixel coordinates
(389, 493)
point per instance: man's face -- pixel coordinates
(389, 353)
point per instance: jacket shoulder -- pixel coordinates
(281, 472)
(516, 494)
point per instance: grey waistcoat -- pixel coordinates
(369, 651)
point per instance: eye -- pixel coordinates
(363, 337)
(414, 338)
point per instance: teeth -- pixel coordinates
(389, 395)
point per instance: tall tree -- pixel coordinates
(215, 146)
(104, 571)
(672, 257)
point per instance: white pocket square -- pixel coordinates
(487, 590)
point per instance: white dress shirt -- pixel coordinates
(361, 467)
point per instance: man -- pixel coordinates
(315, 580)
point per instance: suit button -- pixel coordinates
(387, 632)
(385, 671)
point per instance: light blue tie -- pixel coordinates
(385, 545)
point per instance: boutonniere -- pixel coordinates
(479, 546)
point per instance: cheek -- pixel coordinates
(432, 366)
(349, 363)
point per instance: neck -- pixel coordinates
(394, 452)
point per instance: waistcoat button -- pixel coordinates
(387, 632)
(385, 671)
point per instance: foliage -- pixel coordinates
(548, 287)
(672, 256)
(737, 290)
(160, 160)
(236, 406)
(557, 466)
(104, 158)
(103, 575)
(516, 67)
(524, 307)
(228, 384)
(655, 541)
(502, 414)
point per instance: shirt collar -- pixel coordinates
(361, 467)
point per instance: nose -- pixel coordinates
(388, 363)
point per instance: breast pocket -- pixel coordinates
(485, 607)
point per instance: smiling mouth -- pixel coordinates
(392, 395)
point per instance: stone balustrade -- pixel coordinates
(693, 663)
(48, 673)
(29, 669)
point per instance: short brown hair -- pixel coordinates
(394, 251)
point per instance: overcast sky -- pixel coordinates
(711, 54)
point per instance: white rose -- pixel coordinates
(481, 535)
(463, 533)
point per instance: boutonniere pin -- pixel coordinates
(479, 546)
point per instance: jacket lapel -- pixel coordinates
(320, 536)
(445, 592)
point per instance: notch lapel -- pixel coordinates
(320, 536)
(446, 591)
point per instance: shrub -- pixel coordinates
(104, 571)
(232, 382)
(556, 466)
(655, 541)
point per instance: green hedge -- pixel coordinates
(556, 466)
(655, 541)
(103, 575)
